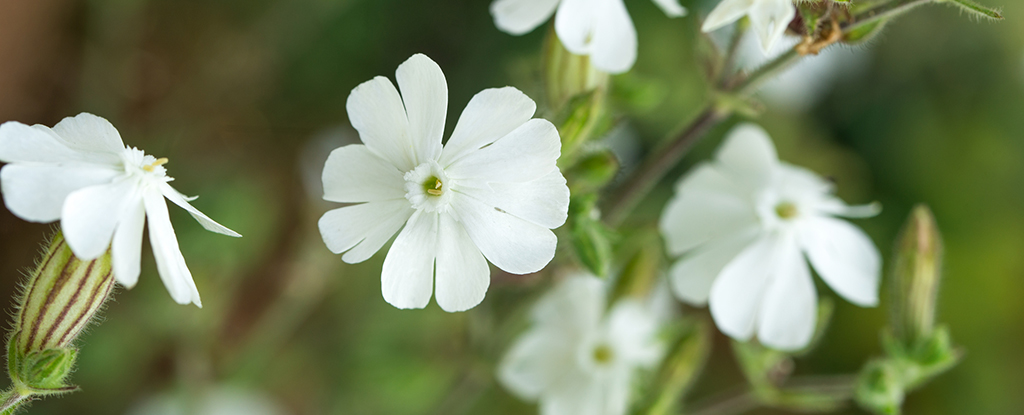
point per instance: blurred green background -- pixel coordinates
(246, 97)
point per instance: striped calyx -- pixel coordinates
(63, 295)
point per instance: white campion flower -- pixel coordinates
(768, 18)
(102, 191)
(492, 191)
(745, 222)
(601, 29)
(577, 358)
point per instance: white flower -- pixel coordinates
(81, 173)
(599, 28)
(745, 223)
(576, 359)
(769, 18)
(492, 191)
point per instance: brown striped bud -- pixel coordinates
(62, 296)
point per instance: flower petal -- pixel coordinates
(179, 199)
(536, 362)
(36, 192)
(22, 143)
(526, 154)
(169, 261)
(692, 277)
(408, 274)
(789, 310)
(574, 24)
(425, 94)
(633, 329)
(769, 19)
(578, 393)
(489, 116)
(354, 174)
(375, 110)
(90, 215)
(519, 17)
(363, 229)
(844, 257)
(126, 248)
(510, 243)
(574, 307)
(462, 272)
(736, 294)
(708, 205)
(613, 46)
(90, 133)
(726, 12)
(748, 157)
(544, 201)
(672, 8)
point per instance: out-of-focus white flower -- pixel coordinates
(745, 222)
(769, 18)
(219, 401)
(601, 29)
(578, 359)
(492, 191)
(81, 173)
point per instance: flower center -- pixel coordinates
(143, 166)
(786, 210)
(428, 188)
(159, 162)
(603, 354)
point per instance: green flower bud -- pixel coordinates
(590, 238)
(592, 172)
(880, 389)
(568, 75)
(916, 274)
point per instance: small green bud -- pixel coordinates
(568, 75)
(592, 172)
(590, 238)
(916, 276)
(880, 388)
(640, 275)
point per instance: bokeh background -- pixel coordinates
(246, 97)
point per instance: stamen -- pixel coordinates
(436, 191)
(159, 162)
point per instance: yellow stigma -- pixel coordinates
(786, 210)
(159, 162)
(603, 354)
(436, 191)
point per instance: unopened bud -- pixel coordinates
(568, 75)
(916, 275)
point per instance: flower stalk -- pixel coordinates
(62, 296)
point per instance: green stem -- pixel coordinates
(12, 401)
(883, 12)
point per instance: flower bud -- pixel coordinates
(62, 296)
(568, 75)
(916, 274)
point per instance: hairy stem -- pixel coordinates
(884, 11)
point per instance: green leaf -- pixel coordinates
(864, 33)
(976, 10)
(590, 238)
(592, 172)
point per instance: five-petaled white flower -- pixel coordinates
(601, 29)
(102, 191)
(492, 191)
(769, 18)
(745, 222)
(576, 358)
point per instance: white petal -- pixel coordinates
(835, 206)
(736, 294)
(574, 23)
(90, 215)
(126, 248)
(693, 276)
(518, 17)
(769, 19)
(526, 154)
(574, 307)
(180, 200)
(363, 229)
(536, 362)
(726, 12)
(748, 157)
(707, 206)
(408, 274)
(22, 143)
(462, 272)
(672, 8)
(577, 393)
(90, 133)
(489, 116)
(375, 110)
(544, 201)
(354, 174)
(634, 330)
(844, 257)
(512, 244)
(613, 46)
(36, 192)
(169, 261)
(789, 310)
(425, 94)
